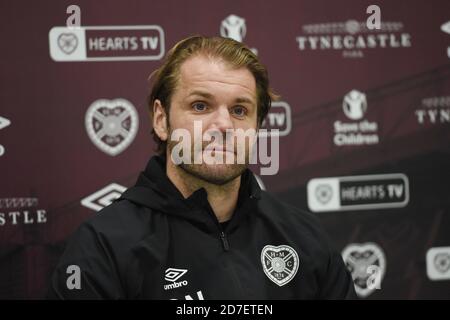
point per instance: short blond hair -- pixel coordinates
(236, 54)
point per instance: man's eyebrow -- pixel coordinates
(208, 95)
(203, 94)
(244, 100)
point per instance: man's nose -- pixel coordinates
(222, 119)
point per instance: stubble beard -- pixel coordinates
(217, 174)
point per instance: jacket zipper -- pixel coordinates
(223, 237)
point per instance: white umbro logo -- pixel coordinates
(172, 275)
(4, 122)
(103, 197)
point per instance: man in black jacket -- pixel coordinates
(202, 230)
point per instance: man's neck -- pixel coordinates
(222, 198)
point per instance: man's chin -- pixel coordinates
(218, 174)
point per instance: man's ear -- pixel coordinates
(160, 120)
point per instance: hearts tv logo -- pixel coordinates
(67, 42)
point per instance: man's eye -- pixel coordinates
(239, 111)
(199, 106)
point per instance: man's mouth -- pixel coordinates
(219, 148)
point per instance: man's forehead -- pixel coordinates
(200, 73)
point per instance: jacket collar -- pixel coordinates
(154, 190)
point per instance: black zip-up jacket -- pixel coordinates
(152, 243)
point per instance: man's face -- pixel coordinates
(221, 98)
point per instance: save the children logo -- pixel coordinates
(234, 27)
(354, 105)
(362, 132)
(446, 28)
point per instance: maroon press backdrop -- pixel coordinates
(53, 171)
